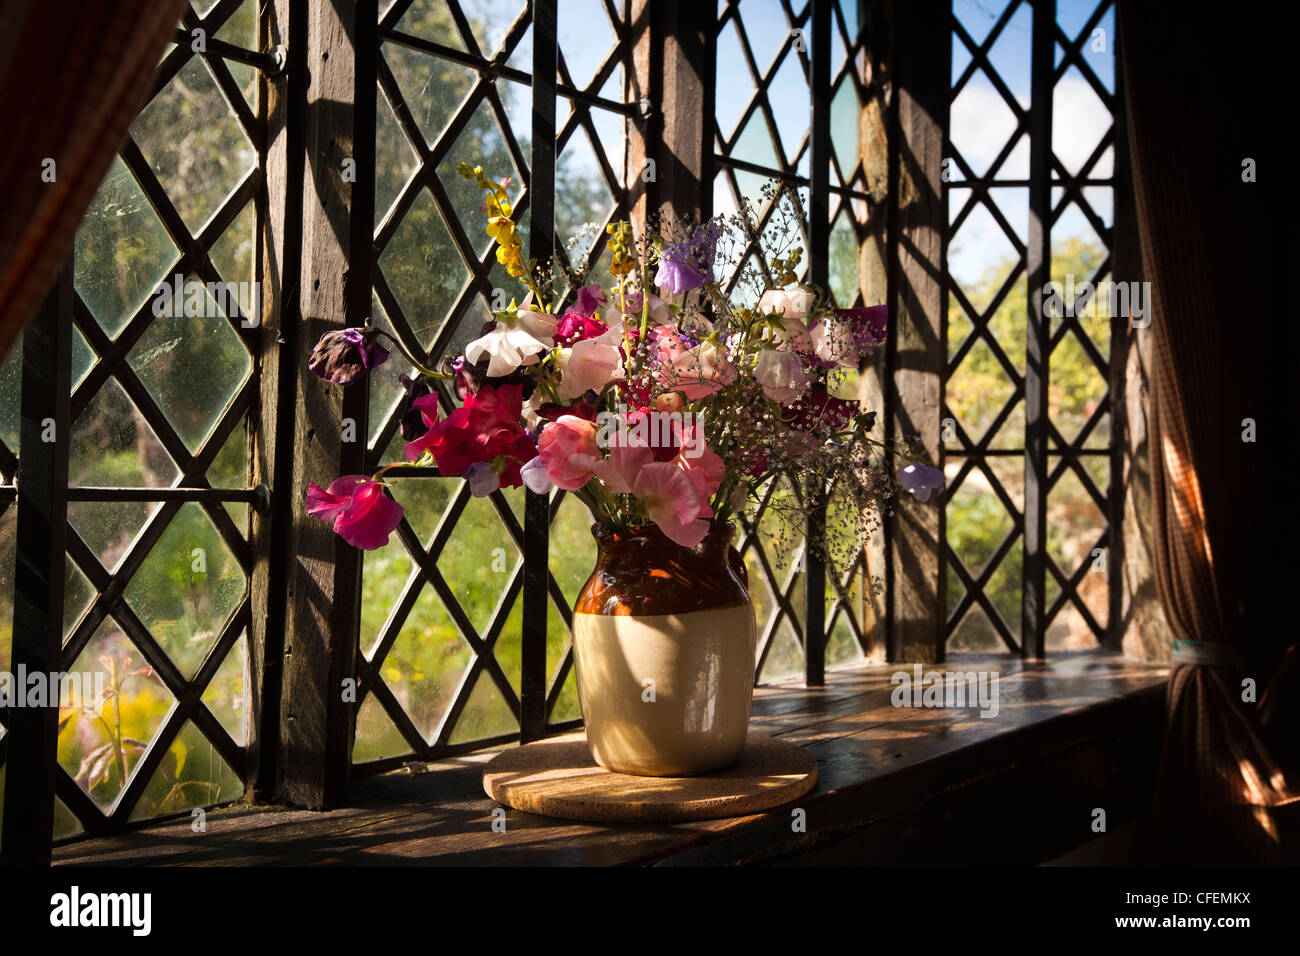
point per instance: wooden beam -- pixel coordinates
(324, 573)
(670, 152)
(31, 733)
(1038, 265)
(916, 354)
(279, 212)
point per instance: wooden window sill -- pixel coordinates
(897, 785)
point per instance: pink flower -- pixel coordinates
(626, 461)
(704, 467)
(486, 428)
(672, 502)
(363, 515)
(782, 375)
(591, 364)
(569, 452)
(846, 336)
(695, 372)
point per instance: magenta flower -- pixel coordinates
(576, 327)
(590, 298)
(363, 515)
(345, 355)
(921, 481)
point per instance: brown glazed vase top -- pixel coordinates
(663, 646)
(642, 571)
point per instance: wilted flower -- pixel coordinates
(414, 424)
(344, 355)
(921, 481)
(363, 515)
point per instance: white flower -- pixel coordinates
(793, 306)
(590, 364)
(782, 375)
(517, 341)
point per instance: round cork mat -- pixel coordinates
(558, 778)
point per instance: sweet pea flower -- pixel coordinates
(702, 465)
(794, 303)
(591, 364)
(921, 481)
(426, 409)
(672, 502)
(782, 375)
(660, 312)
(568, 452)
(520, 337)
(363, 515)
(684, 266)
(574, 327)
(695, 372)
(345, 355)
(844, 337)
(484, 429)
(534, 476)
(482, 479)
(590, 298)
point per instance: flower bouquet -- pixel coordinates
(667, 407)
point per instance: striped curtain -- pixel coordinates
(73, 74)
(1199, 213)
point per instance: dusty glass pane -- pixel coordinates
(478, 561)
(734, 85)
(8, 543)
(423, 268)
(377, 737)
(241, 30)
(11, 388)
(480, 143)
(194, 144)
(395, 158)
(227, 695)
(113, 445)
(489, 20)
(432, 87)
(192, 774)
(99, 750)
(486, 713)
(192, 365)
(585, 38)
(122, 251)
(426, 663)
(187, 587)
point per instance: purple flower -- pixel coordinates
(590, 298)
(345, 355)
(921, 481)
(684, 266)
(534, 476)
(482, 479)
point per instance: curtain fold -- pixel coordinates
(1193, 134)
(73, 75)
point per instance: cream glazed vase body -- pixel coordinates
(663, 644)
